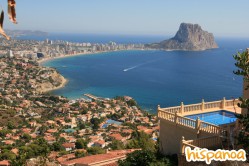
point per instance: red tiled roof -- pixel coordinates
(15, 151)
(68, 145)
(65, 157)
(49, 138)
(117, 136)
(111, 164)
(112, 155)
(101, 142)
(52, 131)
(9, 142)
(5, 163)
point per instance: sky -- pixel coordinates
(227, 18)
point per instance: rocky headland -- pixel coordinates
(189, 37)
(55, 81)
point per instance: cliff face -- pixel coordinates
(188, 37)
(54, 82)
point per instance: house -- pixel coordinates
(50, 139)
(4, 163)
(176, 124)
(100, 143)
(69, 146)
(118, 137)
(189, 125)
(15, 151)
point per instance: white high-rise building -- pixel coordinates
(10, 54)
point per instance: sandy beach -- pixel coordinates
(72, 55)
(40, 61)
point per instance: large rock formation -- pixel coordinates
(188, 37)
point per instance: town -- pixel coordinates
(49, 49)
(35, 123)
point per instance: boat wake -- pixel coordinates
(133, 67)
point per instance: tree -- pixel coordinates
(96, 122)
(26, 137)
(116, 145)
(141, 140)
(81, 143)
(10, 125)
(139, 158)
(95, 150)
(131, 103)
(79, 154)
(38, 148)
(148, 157)
(243, 70)
(7, 155)
(56, 146)
(82, 126)
(4, 132)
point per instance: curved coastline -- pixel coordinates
(43, 60)
(64, 80)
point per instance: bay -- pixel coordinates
(155, 77)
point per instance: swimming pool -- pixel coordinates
(110, 121)
(218, 117)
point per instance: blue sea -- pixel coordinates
(154, 78)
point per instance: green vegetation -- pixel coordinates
(95, 150)
(81, 143)
(7, 116)
(96, 122)
(141, 140)
(37, 148)
(148, 158)
(36, 123)
(79, 154)
(243, 70)
(117, 145)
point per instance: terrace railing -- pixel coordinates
(197, 124)
(201, 107)
(210, 128)
(207, 142)
(172, 109)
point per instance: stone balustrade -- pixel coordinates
(176, 114)
(207, 142)
(197, 124)
(201, 107)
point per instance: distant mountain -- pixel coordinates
(188, 37)
(18, 33)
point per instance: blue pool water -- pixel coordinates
(110, 121)
(69, 130)
(217, 118)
